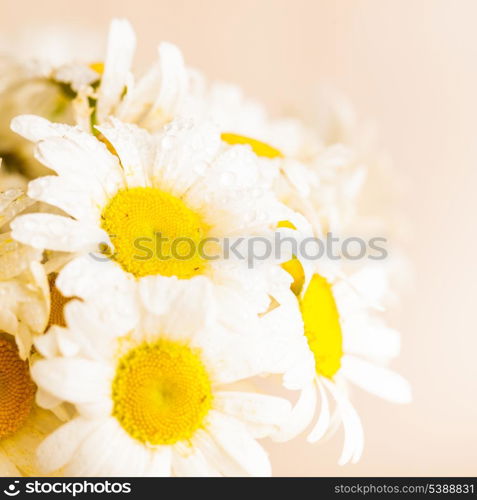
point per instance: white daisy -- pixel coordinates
(155, 399)
(108, 87)
(24, 293)
(315, 179)
(150, 101)
(322, 181)
(348, 344)
(45, 82)
(325, 189)
(169, 90)
(22, 424)
(323, 174)
(319, 182)
(45, 96)
(182, 184)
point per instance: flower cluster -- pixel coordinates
(119, 356)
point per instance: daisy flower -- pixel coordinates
(24, 292)
(52, 96)
(158, 399)
(320, 180)
(169, 90)
(30, 301)
(348, 345)
(182, 185)
(97, 89)
(23, 425)
(317, 181)
(322, 174)
(46, 82)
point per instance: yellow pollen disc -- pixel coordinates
(161, 393)
(58, 302)
(322, 326)
(154, 232)
(98, 67)
(17, 391)
(258, 147)
(286, 223)
(293, 266)
(295, 269)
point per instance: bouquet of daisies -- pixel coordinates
(165, 303)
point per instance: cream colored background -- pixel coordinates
(411, 65)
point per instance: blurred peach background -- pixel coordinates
(411, 65)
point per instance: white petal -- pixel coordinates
(24, 340)
(159, 462)
(254, 408)
(371, 339)
(192, 463)
(323, 421)
(7, 468)
(301, 415)
(173, 80)
(21, 446)
(34, 128)
(353, 430)
(94, 329)
(372, 283)
(55, 232)
(64, 194)
(109, 451)
(215, 456)
(73, 380)
(216, 344)
(46, 400)
(97, 410)
(58, 448)
(78, 277)
(135, 149)
(8, 321)
(80, 158)
(183, 154)
(160, 93)
(118, 61)
(286, 350)
(232, 450)
(47, 344)
(377, 380)
(12, 202)
(233, 171)
(239, 446)
(68, 345)
(168, 298)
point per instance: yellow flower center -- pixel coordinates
(161, 392)
(17, 391)
(258, 147)
(97, 66)
(154, 232)
(294, 267)
(322, 326)
(58, 302)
